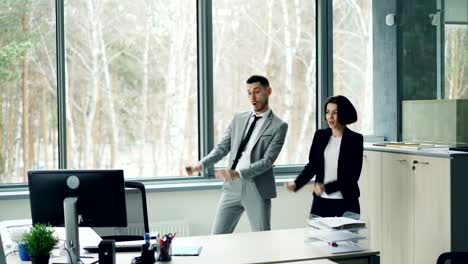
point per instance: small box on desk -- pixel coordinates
(107, 252)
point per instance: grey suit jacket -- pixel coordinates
(267, 147)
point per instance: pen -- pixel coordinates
(333, 244)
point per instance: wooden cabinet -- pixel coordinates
(431, 200)
(415, 205)
(370, 185)
(397, 209)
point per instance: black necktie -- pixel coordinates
(244, 143)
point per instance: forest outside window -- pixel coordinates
(28, 90)
(352, 58)
(131, 82)
(275, 39)
(132, 86)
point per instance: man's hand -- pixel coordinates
(319, 188)
(290, 186)
(191, 169)
(227, 175)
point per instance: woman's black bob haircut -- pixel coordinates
(346, 112)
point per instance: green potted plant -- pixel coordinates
(40, 240)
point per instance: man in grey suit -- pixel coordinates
(254, 139)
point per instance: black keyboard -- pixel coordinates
(118, 248)
(464, 148)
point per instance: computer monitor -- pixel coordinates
(72, 198)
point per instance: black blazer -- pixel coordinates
(349, 163)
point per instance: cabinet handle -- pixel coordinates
(420, 162)
(401, 160)
(364, 156)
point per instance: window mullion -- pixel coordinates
(61, 89)
(324, 56)
(205, 80)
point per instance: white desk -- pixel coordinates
(256, 247)
(317, 261)
(198, 260)
(259, 247)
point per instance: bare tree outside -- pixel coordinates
(352, 58)
(275, 39)
(132, 85)
(456, 61)
(28, 131)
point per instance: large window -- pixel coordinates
(456, 61)
(455, 28)
(28, 134)
(132, 85)
(352, 58)
(131, 89)
(275, 39)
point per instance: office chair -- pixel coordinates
(453, 258)
(137, 216)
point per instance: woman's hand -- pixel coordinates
(319, 188)
(290, 186)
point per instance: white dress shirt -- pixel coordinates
(331, 153)
(244, 161)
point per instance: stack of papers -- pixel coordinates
(330, 235)
(337, 234)
(336, 223)
(412, 146)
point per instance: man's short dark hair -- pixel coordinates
(346, 112)
(258, 78)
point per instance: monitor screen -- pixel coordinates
(100, 193)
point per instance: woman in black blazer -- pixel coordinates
(335, 159)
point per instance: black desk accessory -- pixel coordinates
(147, 255)
(107, 252)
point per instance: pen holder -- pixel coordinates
(165, 251)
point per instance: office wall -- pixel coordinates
(417, 50)
(405, 60)
(385, 70)
(197, 208)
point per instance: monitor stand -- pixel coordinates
(72, 245)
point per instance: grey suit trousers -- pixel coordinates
(239, 196)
